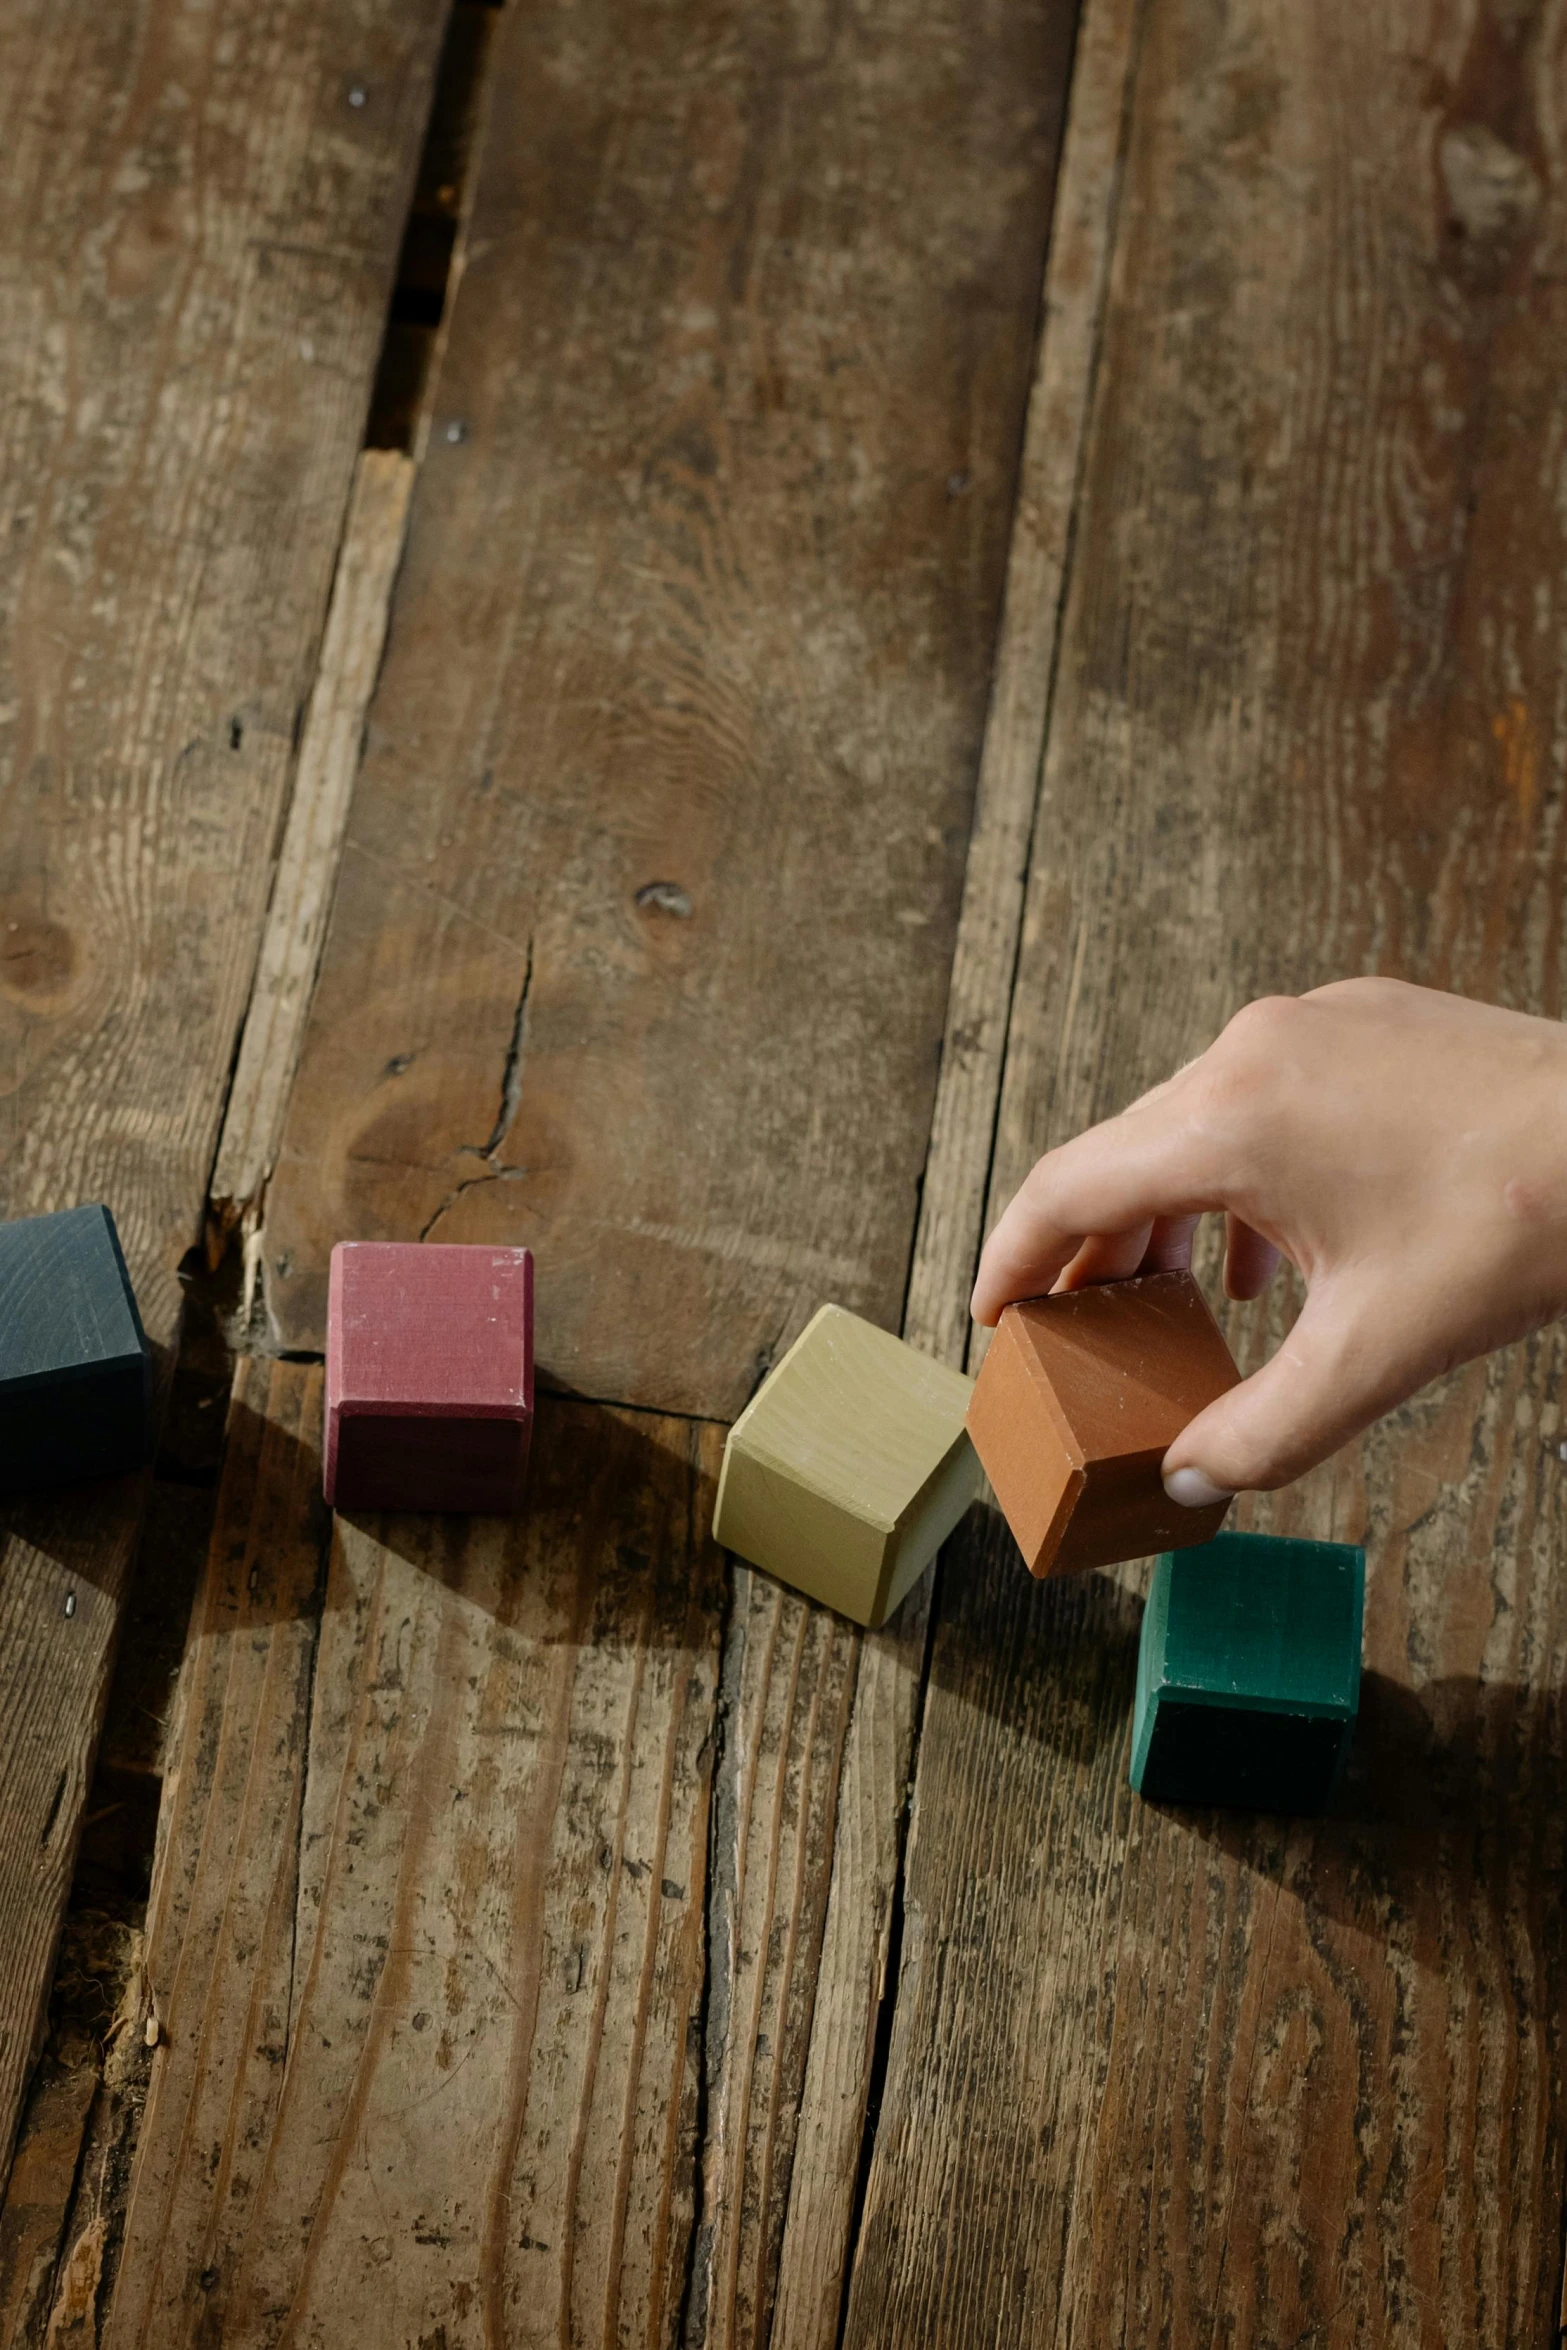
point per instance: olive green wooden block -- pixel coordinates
(849, 1467)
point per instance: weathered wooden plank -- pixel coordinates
(639, 951)
(221, 1918)
(197, 230)
(313, 837)
(984, 960)
(198, 239)
(788, 1682)
(38, 2196)
(452, 2071)
(1157, 2076)
(64, 1566)
(849, 1967)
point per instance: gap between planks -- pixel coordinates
(884, 1691)
(368, 551)
(333, 740)
(1128, 2107)
(306, 875)
(853, 1983)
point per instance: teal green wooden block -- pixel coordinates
(1248, 1673)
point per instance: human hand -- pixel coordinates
(1406, 1150)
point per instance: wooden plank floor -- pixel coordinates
(695, 630)
(947, 548)
(1213, 2079)
(197, 242)
(439, 1838)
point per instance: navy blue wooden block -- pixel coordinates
(75, 1369)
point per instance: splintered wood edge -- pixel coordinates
(306, 875)
(867, 1856)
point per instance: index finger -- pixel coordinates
(1114, 1178)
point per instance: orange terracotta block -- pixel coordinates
(1078, 1400)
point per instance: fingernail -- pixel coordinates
(1195, 1490)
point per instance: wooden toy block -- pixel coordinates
(429, 1376)
(849, 1467)
(1076, 1404)
(1248, 1674)
(75, 1368)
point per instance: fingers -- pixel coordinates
(1342, 1366)
(1250, 1262)
(1170, 1245)
(1119, 1182)
(1107, 1256)
(1164, 1246)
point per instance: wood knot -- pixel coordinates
(38, 958)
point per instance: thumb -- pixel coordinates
(1344, 1364)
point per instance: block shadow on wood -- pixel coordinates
(1304, 2017)
(586, 1469)
(77, 1528)
(590, 1473)
(428, 1941)
(1054, 1661)
(1430, 1771)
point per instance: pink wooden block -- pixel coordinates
(429, 1376)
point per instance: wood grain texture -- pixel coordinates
(62, 1570)
(197, 232)
(963, 1124)
(221, 1919)
(639, 951)
(1217, 2079)
(200, 233)
(434, 2007)
(313, 836)
(788, 1683)
(851, 1982)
